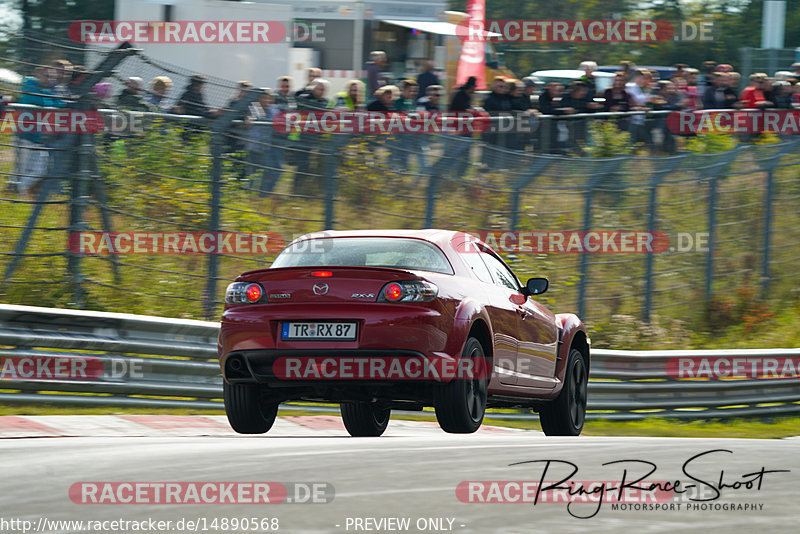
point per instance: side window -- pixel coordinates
(473, 259)
(502, 276)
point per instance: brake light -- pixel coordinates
(393, 292)
(253, 292)
(408, 291)
(243, 293)
(322, 274)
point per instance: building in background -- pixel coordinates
(333, 35)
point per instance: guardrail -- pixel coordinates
(135, 360)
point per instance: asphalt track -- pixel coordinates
(411, 472)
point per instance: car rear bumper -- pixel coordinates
(288, 368)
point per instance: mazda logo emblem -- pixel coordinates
(320, 289)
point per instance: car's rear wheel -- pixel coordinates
(247, 412)
(565, 415)
(461, 403)
(364, 419)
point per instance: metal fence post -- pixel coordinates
(712, 226)
(70, 148)
(655, 181)
(768, 194)
(608, 167)
(218, 129)
(331, 165)
(79, 202)
(713, 173)
(455, 148)
(539, 165)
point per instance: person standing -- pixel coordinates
(311, 74)
(374, 67)
(458, 147)
(308, 174)
(427, 78)
(159, 87)
(353, 98)
(497, 104)
(262, 154)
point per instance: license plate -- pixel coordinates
(319, 331)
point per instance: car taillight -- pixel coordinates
(393, 292)
(322, 274)
(408, 291)
(243, 293)
(253, 292)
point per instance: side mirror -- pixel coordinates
(536, 286)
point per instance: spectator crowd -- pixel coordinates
(262, 152)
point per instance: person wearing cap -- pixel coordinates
(192, 101)
(530, 83)
(131, 96)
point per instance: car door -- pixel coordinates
(502, 318)
(537, 347)
(536, 333)
(506, 320)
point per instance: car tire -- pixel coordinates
(246, 412)
(461, 403)
(364, 419)
(565, 415)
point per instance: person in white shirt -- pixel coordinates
(636, 88)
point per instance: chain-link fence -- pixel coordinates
(730, 218)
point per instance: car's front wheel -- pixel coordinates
(565, 415)
(247, 412)
(461, 403)
(364, 419)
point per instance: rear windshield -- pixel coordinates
(394, 252)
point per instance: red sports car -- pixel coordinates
(403, 319)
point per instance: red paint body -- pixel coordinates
(527, 345)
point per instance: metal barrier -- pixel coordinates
(159, 362)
